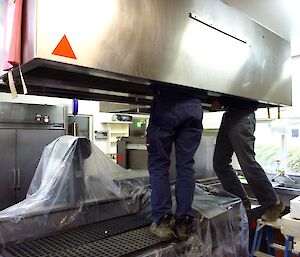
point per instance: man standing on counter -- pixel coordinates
(236, 134)
(176, 117)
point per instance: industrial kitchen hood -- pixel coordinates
(113, 50)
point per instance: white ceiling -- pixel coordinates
(280, 16)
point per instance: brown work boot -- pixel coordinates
(183, 228)
(247, 204)
(273, 212)
(163, 229)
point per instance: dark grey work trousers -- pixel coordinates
(236, 134)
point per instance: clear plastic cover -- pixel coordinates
(68, 175)
(75, 184)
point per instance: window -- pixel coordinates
(267, 146)
(278, 141)
(293, 146)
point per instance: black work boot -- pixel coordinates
(247, 204)
(163, 229)
(273, 212)
(183, 228)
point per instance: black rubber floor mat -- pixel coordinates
(82, 238)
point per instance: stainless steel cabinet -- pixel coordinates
(25, 129)
(30, 145)
(7, 167)
(20, 153)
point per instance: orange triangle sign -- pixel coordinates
(64, 49)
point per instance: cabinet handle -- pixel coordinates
(18, 171)
(15, 179)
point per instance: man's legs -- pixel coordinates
(262, 188)
(241, 134)
(222, 159)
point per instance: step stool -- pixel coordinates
(266, 228)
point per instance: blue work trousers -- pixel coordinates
(175, 120)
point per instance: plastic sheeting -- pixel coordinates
(76, 184)
(68, 175)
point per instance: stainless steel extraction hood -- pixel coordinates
(114, 49)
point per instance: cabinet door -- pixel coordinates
(30, 146)
(7, 167)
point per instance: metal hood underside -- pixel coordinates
(50, 78)
(56, 79)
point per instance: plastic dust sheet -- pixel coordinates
(80, 203)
